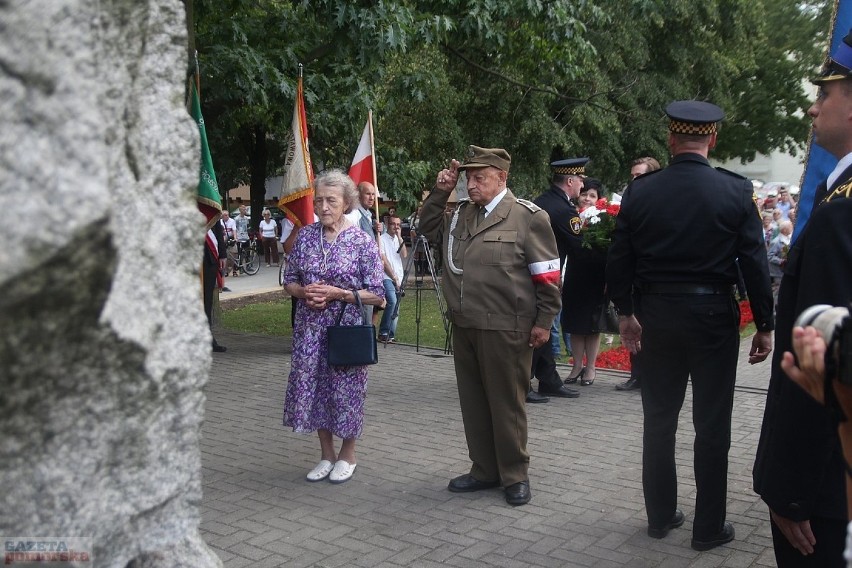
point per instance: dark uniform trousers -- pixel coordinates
(544, 369)
(492, 372)
(687, 336)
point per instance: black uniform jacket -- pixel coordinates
(221, 245)
(688, 224)
(564, 220)
(799, 469)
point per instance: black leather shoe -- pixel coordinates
(518, 493)
(727, 535)
(630, 384)
(219, 348)
(677, 520)
(561, 392)
(467, 483)
(534, 398)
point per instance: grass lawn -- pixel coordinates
(273, 318)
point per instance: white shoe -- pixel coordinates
(321, 471)
(342, 471)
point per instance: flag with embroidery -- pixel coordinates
(297, 194)
(208, 197)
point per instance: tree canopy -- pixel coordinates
(543, 79)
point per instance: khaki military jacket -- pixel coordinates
(502, 274)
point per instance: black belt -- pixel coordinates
(686, 288)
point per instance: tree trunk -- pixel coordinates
(257, 182)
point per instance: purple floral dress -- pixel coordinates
(319, 396)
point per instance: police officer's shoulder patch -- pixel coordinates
(730, 173)
(528, 204)
(574, 224)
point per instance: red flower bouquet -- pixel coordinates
(598, 223)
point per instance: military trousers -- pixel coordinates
(493, 376)
(688, 337)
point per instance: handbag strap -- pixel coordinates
(357, 303)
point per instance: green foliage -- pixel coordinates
(543, 79)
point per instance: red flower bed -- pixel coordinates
(618, 358)
(746, 317)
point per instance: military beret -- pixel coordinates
(839, 65)
(569, 166)
(693, 117)
(483, 157)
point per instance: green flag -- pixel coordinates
(208, 197)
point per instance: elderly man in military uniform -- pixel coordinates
(501, 283)
(799, 470)
(566, 182)
(670, 272)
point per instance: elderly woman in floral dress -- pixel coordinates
(329, 261)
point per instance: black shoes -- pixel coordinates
(518, 493)
(535, 398)
(467, 483)
(630, 384)
(219, 348)
(572, 380)
(677, 520)
(561, 392)
(727, 535)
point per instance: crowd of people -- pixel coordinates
(511, 268)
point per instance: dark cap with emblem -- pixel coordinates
(483, 157)
(693, 117)
(839, 65)
(569, 166)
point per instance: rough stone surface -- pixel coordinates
(104, 347)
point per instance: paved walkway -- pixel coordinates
(587, 507)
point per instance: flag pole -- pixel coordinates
(375, 177)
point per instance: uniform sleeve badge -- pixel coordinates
(574, 224)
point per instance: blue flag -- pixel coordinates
(819, 162)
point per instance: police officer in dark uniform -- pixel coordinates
(670, 272)
(565, 185)
(799, 469)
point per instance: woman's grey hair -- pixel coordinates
(337, 178)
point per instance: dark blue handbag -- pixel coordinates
(352, 345)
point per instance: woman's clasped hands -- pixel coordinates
(318, 295)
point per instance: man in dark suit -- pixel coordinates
(799, 469)
(565, 184)
(215, 254)
(501, 283)
(670, 272)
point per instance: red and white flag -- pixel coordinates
(363, 166)
(297, 194)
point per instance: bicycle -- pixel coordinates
(246, 259)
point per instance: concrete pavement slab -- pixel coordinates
(587, 507)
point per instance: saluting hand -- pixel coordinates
(448, 178)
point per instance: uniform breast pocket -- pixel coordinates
(498, 247)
